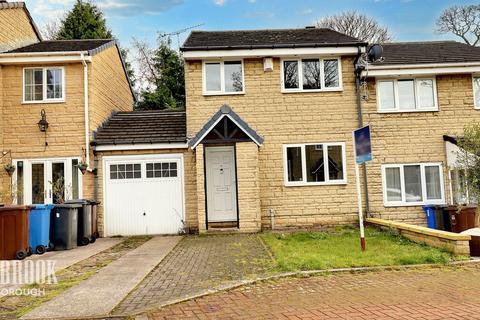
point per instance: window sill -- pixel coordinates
(208, 94)
(414, 204)
(408, 111)
(43, 102)
(312, 91)
(315, 184)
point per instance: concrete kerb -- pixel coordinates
(231, 286)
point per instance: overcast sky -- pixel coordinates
(408, 20)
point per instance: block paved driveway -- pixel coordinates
(446, 293)
(197, 264)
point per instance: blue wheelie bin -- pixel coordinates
(39, 228)
(430, 213)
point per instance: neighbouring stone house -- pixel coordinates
(72, 85)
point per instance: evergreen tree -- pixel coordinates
(168, 80)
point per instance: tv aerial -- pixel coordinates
(178, 33)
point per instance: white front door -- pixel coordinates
(221, 184)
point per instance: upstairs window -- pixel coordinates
(476, 91)
(407, 95)
(225, 77)
(311, 75)
(43, 85)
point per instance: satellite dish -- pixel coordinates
(375, 53)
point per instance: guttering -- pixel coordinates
(44, 57)
(270, 52)
(142, 146)
(423, 69)
(87, 125)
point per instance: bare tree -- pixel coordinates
(51, 28)
(462, 21)
(147, 74)
(357, 25)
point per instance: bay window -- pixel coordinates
(311, 74)
(315, 164)
(407, 95)
(43, 85)
(223, 77)
(413, 184)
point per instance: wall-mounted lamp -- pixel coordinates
(43, 123)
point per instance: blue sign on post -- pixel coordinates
(363, 145)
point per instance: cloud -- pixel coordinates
(219, 2)
(48, 9)
(259, 14)
(305, 12)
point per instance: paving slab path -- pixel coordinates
(420, 294)
(62, 260)
(98, 295)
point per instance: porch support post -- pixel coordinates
(201, 204)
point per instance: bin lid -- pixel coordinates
(69, 205)
(14, 207)
(43, 206)
(78, 201)
(472, 232)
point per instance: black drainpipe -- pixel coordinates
(95, 177)
(358, 75)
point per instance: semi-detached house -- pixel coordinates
(266, 137)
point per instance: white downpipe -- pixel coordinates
(87, 125)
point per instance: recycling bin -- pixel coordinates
(14, 232)
(430, 214)
(84, 232)
(64, 226)
(39, 228)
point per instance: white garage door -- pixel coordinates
(143, 195)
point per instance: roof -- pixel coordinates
(260, 39)
(15, 5)
(225, 111)
(428, 53)
(63, 46)
(143, 127)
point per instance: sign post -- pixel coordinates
(363, 153)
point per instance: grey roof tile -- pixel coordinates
(141, 127)
(63, 46)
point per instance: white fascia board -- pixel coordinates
(277, 52)
(13, 59)
(146, 146)
(421, 71)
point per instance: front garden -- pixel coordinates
(340, 248)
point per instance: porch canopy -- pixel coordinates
(225, 127)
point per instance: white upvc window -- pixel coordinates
(311, 74)
(407, 95)
(43, 85)
(476, 90)
(223, 77)
(413, 184)
(315, 164)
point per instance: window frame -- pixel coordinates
(44, 86)
(396, 95)
(300, 75)
(403, 202)
(147, 178)
(222, 91)
(304, 181)
(475, 106)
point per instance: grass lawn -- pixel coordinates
(340, 248)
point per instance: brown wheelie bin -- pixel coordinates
(463, 220)
(14, 232)
(95, 232)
